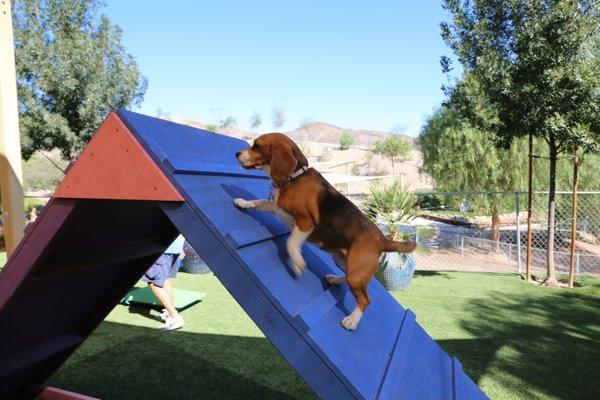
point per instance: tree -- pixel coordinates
(347, 139)
(327, 154)
(277, 117)
(228, 122)
(305, 126)
(72, 69)
(392, 148)
(459, 158)
(255, 120)
(529, 67)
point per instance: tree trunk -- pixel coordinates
(551, 271)
(495, 226)
(393, 166)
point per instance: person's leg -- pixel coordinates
(169, 288)
(170, 293)
(173, 268)
(162, 295)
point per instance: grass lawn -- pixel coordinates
(517, 341)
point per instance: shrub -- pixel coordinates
(305, 147)
(346, 140)
(31, 203)
(392, 204)
(212, 128)
(327, 154)
(431, 201)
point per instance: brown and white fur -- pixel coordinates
(317, 212)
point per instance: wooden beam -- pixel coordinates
(11, 173)
(34, 248)
(39, 353)
(529, 207)
(65, 263)
(573, 220)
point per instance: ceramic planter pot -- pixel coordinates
(192, 263)
(396, 270)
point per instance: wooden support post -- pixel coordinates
(11, 175)
(518, 217)
(529, 206)
(574, 219)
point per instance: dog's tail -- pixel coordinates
(399, 247)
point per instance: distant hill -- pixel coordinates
(320, 132)
(232, 131)
(319, 138)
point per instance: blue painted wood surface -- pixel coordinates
(389, 356)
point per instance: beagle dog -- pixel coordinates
(315, 211)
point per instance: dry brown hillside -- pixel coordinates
(322, 132)
(319, 132)
(320, 142)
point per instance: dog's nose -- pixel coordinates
(238, 154)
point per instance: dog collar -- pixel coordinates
(272, 192)
(299, 172)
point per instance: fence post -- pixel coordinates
(509, 253)
(517, 211)
(462, 246)
(577, 263)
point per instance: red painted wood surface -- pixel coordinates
(115, 166)
(33, 248)
(51, 393)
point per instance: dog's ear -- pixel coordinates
(283, 162)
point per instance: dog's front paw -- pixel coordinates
(349, 323)
(299, 266)
(243, 204)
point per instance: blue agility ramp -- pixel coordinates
(196, 178)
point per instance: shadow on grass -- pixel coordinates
(144, 311)
(130, 362)
(432, 273)
(550, 342)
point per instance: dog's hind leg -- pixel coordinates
(335, 279)
(362, 265)
(340, 261)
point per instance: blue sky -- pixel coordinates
(355, 64)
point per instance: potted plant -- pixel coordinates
(389, 207)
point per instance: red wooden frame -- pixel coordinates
(42, 392)
(115, 166)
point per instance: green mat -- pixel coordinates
(143, 296)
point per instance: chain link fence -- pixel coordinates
(487, 231)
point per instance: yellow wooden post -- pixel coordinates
(11, 175)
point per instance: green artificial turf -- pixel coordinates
(517, 341)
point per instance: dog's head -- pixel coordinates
(275, 153)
